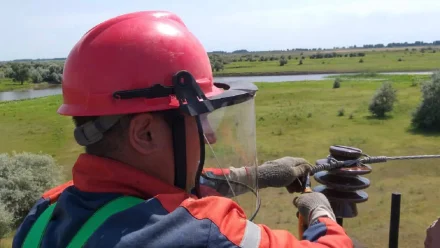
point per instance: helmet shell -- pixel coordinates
(132, 51)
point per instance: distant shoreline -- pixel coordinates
(294, 73)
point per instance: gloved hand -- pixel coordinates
(312, 206)
(282, 172)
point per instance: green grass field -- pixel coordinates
(7, 84)
(378, 61)
(296, 119)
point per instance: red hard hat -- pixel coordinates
(129, 52)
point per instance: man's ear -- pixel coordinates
(139, 133)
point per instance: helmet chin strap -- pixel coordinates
(202, 157)
(179, 147)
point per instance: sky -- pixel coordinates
(49, 28)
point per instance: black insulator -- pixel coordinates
(343, 186)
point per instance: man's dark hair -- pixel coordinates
(112, 138)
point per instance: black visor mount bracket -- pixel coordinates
(191, 98)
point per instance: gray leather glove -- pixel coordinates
(312, 206)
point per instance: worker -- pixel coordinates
(140, 90)
(432, 239)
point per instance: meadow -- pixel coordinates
(297, 119)
(379, 60)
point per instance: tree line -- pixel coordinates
(35, 72)
(379, 45)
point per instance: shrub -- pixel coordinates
(5, 220)
(35, 76)
(283, 61)
(341, 112)
(361, 61)
(427, 114)
(400, 60)
(24, 177)
(300, 62)
(383, 100)
(414, 83)
(337, 83)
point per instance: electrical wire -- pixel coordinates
(335, 164)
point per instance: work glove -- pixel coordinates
(312, 206)
(283, 172)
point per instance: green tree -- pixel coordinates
(218, 66)
(20, 72)
(427, 114)
(35, 76)
(383, 100)
(9, 73)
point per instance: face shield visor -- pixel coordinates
(230, 167)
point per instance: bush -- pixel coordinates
(5, 221)
(283, 61)
(24, 177)
(361, 61)
(383, 100)
(341, 112)
(414, 83)
(427, 114)
(400, 60)
(300, 62)
(35, 76)
(337, 83)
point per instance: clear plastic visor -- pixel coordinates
(230, 142)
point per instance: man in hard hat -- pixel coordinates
(140, 90)
(432, 238)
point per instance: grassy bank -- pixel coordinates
(378, 61)
(296, 119)
(7, 84)
(34, 126)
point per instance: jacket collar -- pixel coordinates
(98, 174)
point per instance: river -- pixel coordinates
(27, 94)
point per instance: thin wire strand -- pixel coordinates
(218, 165)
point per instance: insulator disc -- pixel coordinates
(343, 196)
(342, 182)
(345, 152)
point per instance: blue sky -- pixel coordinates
(49, 28)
